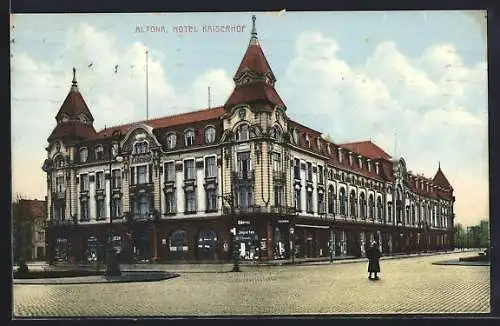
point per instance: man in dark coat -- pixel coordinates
(373, 255)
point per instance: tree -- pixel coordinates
(22, 225)
(459, 235)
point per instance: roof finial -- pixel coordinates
(74, 85)
(439, 165)
(253, 39)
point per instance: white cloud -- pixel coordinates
(435, 103)
(39, 88)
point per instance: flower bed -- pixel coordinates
(56, 273)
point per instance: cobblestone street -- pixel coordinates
(410, 285)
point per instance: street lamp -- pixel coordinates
(112, 267)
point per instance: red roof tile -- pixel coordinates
(254, 60)
(72, 129)
(441, 180)
(74, 105)
(367, 149)
(168, 121)
(252, 93)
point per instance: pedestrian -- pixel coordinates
(373, 255)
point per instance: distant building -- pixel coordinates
(175, 186)
(28, 236)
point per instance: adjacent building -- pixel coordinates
(28, 234)
(174, 187)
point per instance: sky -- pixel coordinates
(415, 83)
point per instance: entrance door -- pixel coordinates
(207, 245)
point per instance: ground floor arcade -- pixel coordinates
(257, 238)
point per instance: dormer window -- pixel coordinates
(171, 141)
(83, 119)
(65, 118)
(209, 135)
(318, 143)
(189, 137)
(295, 135)
(84, 155)
(99, 152)
(340, 155)
(141, 147)
(360, 162)
(242, 113)
(242, 133)
(60, 162)
(329, 149)
(350, 158)
(308, 141)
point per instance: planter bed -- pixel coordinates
(56, 274)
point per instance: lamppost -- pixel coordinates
(112, 267)
(229, 199)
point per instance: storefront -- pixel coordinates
(61, 249)
(178, 245)
(93, 252)
(247, 240)
(207, 247)
(281, 239)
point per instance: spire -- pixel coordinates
(439, 165)
(74, 84)
(253, 39)
(440, 179)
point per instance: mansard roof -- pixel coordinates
(368, 149)
(168, 121)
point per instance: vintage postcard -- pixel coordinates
(250, 164)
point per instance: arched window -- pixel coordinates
(242, 133)
(178, 244)
(362, 204)
(352, 200)
(331, 200)
(276, 133)
(84, 155)
(209, 135)
(141, 147)
(99, 152)
(171, 141)
(189, 137)
(342, 201)
(371, 206)
(379, 208)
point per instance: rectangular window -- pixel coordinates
(211, 200)
(296, 200)
(244, 164)
(244, 197)
(84, 182)
(276, 159)
(132, 175)
(40, 236)
(190, 201)
(321, 204)
(100, 209)
(117, 207)
(296, 169)
(84, 211)
(210, 167)
(189, 170)
(142, 206)
(309, 202)
(277, 196)
(389, 212)
(99, 180)
(170, 202)
(309, 172)
(170, 172)
(142, 174)
(320, 175)
(60, 184)
(117, 179)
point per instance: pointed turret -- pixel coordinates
(74, 120)
(254, 80)
(440, 179)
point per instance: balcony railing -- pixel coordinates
(243, 175)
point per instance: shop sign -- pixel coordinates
(282, 221)
(242, 222)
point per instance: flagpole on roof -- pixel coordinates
(147, 87)
(209, 100)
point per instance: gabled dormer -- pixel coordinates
(74, 120)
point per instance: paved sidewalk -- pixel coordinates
(246, 265)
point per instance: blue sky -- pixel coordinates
(354, 75)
